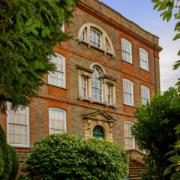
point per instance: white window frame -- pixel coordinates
(65, 119)
(111, 94)
(144, 59)
(145, 99)
(98, 41)
(127, 124)
(63, 27)
(130, 93)
(84, 35)
(97, 88)
(64, 73)
(28, 128)
(86, 87)
(126, 48)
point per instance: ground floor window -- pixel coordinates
(57, 121)
(129, 138)
(18, 127)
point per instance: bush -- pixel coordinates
(13, 163)
(154, 131)
(8, 159)
(69, 157)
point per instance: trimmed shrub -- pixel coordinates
(69, 157)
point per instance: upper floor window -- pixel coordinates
(128, 92)
(126, 50)
(129, 139)
(145, 94)
(97, 84)
(18, 127)
(58, 77)
(57, 121)
(84, 87)
(110, 94)
(96, 36)
(144, 64)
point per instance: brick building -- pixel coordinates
(108, 68)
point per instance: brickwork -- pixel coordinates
(80, 54)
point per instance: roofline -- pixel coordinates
(119, 14)
(83, 5)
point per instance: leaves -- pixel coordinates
(155, 129)
(70, 157)
(168, 9)
(25, 44)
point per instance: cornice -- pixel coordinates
(113, 23)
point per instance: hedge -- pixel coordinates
(69, 157)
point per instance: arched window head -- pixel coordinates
(98, 132)
(97, 84)
(95, 36)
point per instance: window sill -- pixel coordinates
(97, 102)
(127, 62)
(20, 146)
(95, 47)
(129, 105)
(145, 70)
(57, 86)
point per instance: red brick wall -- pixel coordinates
(80, 54)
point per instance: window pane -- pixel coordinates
(57, 121)
(97, 84)
(144, 59)
(128, 92)
(84, 86)
(110, 94)
(18, 127)
(57, 78)
(145, 94)
(126, 50)
(129, 139)
(95, 37)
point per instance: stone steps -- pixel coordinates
(135, 169)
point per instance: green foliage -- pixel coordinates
(28, 32)
(13, 163)
(174, 157)
(69, 157)
(170, 8)
(8, 159)
(154, 130)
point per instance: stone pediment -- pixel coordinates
(99, 116)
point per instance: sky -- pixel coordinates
(142, 13)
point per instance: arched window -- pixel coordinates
(98, 132)
(97, 84)
(95, 36)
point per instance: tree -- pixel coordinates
(69, 157)
(28, 32)
(8, 159)
(170, 8)
(154, 130)
(174, 157)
